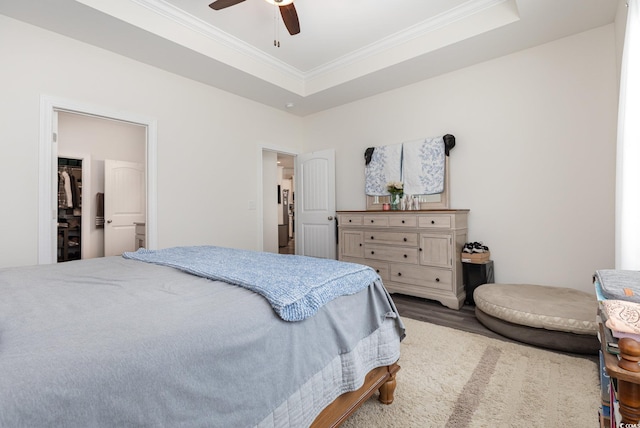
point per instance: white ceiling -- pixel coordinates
(346, 50)
(286, 161)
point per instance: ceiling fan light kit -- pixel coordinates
(287, 11)
(280, 2)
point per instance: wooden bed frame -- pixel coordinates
(381, 378)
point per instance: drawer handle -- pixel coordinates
(419, 249)
(377, 270)
(433, 222)
(404, 239)
(402, 221)
(405, 256)
(437, 279)
(371, 221)
(373, 252)
(372, 237)
(399, 273)
(349, 220)
(360, 245)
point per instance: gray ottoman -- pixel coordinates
(558, 318)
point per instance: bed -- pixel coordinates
(127, 342)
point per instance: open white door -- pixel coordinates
(124, 205)
(315, 177)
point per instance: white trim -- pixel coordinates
(48, 152)
(399, 38)
(46, 214)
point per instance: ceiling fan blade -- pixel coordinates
(221, 4)
(290, 18)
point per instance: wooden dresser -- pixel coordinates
(415, 252)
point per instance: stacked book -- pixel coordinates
(618, 294)
(619, 306)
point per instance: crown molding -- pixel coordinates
(170, 12)
(212, 32)
(330, 72)
(401, 37)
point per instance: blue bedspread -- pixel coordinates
(295, 286)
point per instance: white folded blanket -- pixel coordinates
(423, 163)
(622, 316)
(385, 166)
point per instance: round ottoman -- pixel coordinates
(558, 318)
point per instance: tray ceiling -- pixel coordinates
(346, 50)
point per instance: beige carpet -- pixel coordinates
(454, 379)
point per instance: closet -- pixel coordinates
(69, 209)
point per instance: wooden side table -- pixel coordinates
(474, 275)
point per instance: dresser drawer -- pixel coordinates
(441, 221)
(377, 237)
(376, 220)
(350, 220)
(381, 268)
(391, 254)
(439, 279)
(402, 221)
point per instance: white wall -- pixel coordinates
(535, 153)
(208, 140)
(100, 139)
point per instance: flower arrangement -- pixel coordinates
(395, 188)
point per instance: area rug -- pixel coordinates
(450, 378)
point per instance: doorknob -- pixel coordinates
(108, 221)
(330, 217)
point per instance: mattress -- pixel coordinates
(116, 342)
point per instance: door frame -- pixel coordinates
(48, 160)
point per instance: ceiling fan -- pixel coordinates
(287, 11)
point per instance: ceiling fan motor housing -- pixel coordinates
(287, 11)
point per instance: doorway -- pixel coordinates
(103, 140)
(274, 164)
(51, 108)
(314, 210)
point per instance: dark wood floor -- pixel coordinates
(290, 248)
(436, 313)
